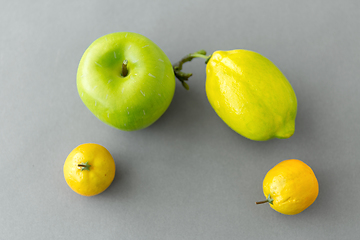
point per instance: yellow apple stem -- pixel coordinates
(261, 202)
(178, 66)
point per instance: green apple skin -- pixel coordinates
(136, 100)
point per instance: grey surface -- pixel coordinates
(188, 176)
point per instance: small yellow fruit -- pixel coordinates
(251, 95)
(290, 187)
(89, 169)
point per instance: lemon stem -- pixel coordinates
(84, 166)
(178, 66)
(268, 200)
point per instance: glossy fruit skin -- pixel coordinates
(293, 186)
(132, 102)
(100, 174)
(251, 95)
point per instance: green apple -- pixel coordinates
(125, 80)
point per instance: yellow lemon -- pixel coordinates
(89, 169)
(290, 187)
(251, 95)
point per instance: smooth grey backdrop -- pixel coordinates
(188, 176)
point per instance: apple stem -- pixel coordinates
(178, 66)
(124, 71)
(261, 202)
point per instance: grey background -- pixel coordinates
(188, 176)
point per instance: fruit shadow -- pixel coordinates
(186, 110)
(322, 207)
(122, 184)
(306, 114)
